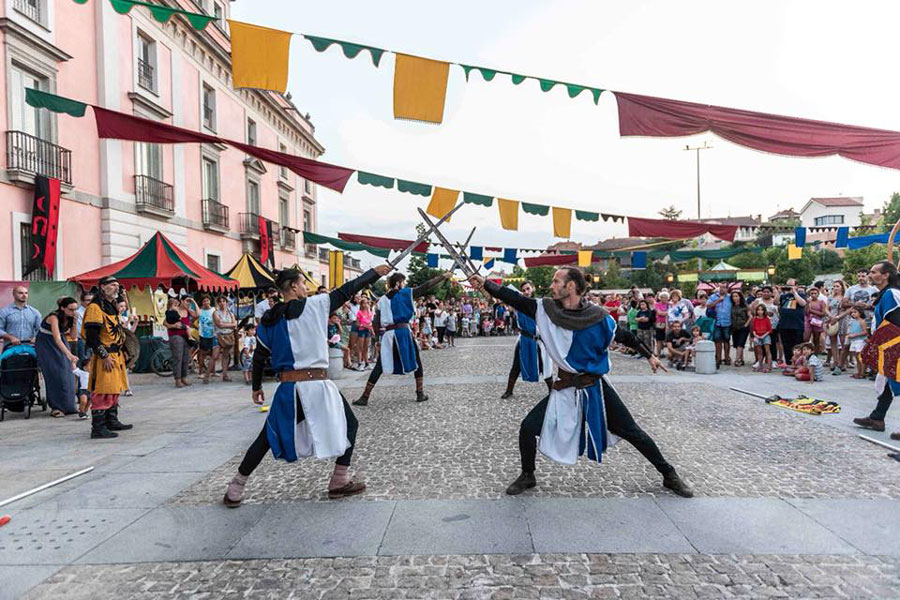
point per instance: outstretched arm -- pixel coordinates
(346, 292)
(429, 285)
(626, 338)
(527, 305)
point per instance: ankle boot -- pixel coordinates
(364, 399)
(509, 388)
(420, 391)
(112, 420)
(523, 482)
(234, 494)
(98, 425)
(675, 483)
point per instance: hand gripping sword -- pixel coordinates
(451, 250)
(433, 227)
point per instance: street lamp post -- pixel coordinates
(705, 146)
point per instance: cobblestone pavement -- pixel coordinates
(463, 444)
(564, 576)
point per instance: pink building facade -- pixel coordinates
(116, 194)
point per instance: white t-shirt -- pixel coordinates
(440, 319)
(858, 293)
(261, 307)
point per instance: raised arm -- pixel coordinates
(429, 285)
(346, 292)
(513, 298)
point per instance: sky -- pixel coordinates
(817, 60)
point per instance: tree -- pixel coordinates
(863, 258)
(827, 261)
(890, 213)
(670, 214)
(540, 277)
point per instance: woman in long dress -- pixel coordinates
(55, 358)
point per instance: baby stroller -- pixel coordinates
(20, 385)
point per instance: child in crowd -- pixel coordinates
(796, 362)
(451, 328)
(334, 336)
(813, 368)
(84, 396)
(426, 332)
(486, 326)
(465, 325)
(761, 329)
(248, 347)
(856, 336)
(646, 317)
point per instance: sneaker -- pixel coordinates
(756, 366)
(837, 371)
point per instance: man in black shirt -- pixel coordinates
(677, 341)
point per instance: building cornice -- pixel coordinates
(10, 27)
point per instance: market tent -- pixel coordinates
(250, 274)
(159, 262)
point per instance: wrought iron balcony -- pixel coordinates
(153, 196)
(249, 225)
(28, 154)
(145, 75)
(288, 238)
(29, 8)
(215, 215)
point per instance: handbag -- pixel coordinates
(815, 321)
(226, 339)
(833, 329)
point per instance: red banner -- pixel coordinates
(678, 230)
(266, 244)
(380, 242)
(44, 225)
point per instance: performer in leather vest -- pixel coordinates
(308, 415)
(530, 358)
(399, 352)
(583, 410)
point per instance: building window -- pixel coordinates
(829, 220)
(284, 212)
(282, 171)
(214, 263)
(251, 132)
(146, 63)
(324, 280)
(219, 13)
(253, 197)
(26, 118)
(27, 249)
(148, 160)
(209, 107)
(307, 220)
(33, 9)
(307, 186)
(210, 179)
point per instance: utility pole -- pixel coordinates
(705, 146)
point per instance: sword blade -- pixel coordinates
(462, 249)
(433, 227)
(447, 246)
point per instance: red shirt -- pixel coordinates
(761, 326)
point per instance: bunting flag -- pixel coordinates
(314, 238)
(442, 202)
(411, 187)
(380, 242)
(794, 253)
(509, 214)
(420, 88)
(161, 13)
(44, 225)
(678, 230)
(639, 260)
(843, 235)
(478, 199)
(335, 269)
(259, 57)
(432, 260)
(374, 180)
(562, 222)
(509, 256)
(615, 218)
(585, 257)
(488, 264)
(266, 243)
(583, 215)
(800, 236)
(555, 260)
(540, 210)
(476, 252)
(349, 49)
(855, 243)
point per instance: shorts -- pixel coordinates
(364, 333)
(246, 363)
(83, 392)
(739, 337)
(207, 344)
(721, 334)
(766, 341)
(659, 334)
(354, 330)
(857, 344)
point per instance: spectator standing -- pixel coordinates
(19, 322)
(761, 328)
(632, 317)
(662, 314)
(364, 332)
(225, 326)
(766, 298)
(356, 363)
(681, 310)
(646, 318)
(56, 360)
(740, 326)
(86, 299)
(856, 338)
(721, 302)
(862, 295)
(178, 324)
(814, 324)
(451, 328)
(440, 321)
(265, 304)
(836, 328)
(791, 317)
(248, 347)
(209, 345)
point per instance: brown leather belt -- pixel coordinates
(303, 375)
(397, 326)
(579, 381)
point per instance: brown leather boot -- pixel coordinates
(420, 390)
(868, 423)
(364, 399)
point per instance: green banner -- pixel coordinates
(314, 238)
(411, 187)
(536, 209)
(162, 14)
(58, 104)
(375, 180)
(479, 199)
(350, 49)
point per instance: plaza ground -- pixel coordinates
(786, 504)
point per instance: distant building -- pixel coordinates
(832, 212)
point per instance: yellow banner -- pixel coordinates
(562, 222)
(335, 269)
(585, 257)
(509, 213)
(259, 57)
(794, 253)
(420, 88)
(442, 202)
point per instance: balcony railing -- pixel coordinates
(288, 238)
(29, 8)
(215, 215)
(30, 154)
(249, 224)
(153, 195)
(145, 75)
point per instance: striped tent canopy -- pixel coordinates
(159, 262)
(250, 274)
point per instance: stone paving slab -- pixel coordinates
(751, 526)
(18, 579)
(608, 525)
(457, 527)
(306, 529)
(123, 490)
(179, 460)
(178, 533)
(869, 524)
(40, 536)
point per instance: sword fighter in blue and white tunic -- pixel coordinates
(399, 351)
(308, 415)
(583, 412)
(530, 358)
(884, 276)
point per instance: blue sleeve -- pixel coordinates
(263, 336)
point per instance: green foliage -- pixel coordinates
(418, 272)
(863, 258)
(654, 276)
(890, 213)
(671, 213)
(749, 260)
(827, 261)
(539, 276)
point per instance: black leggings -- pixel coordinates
(260, 445)
(378, 370)
(885, 398)
(789, 339)
(618, 420)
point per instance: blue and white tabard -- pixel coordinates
(888, 302)
(534, 362)
(393, 310)
(302, 343)
(575, 420)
